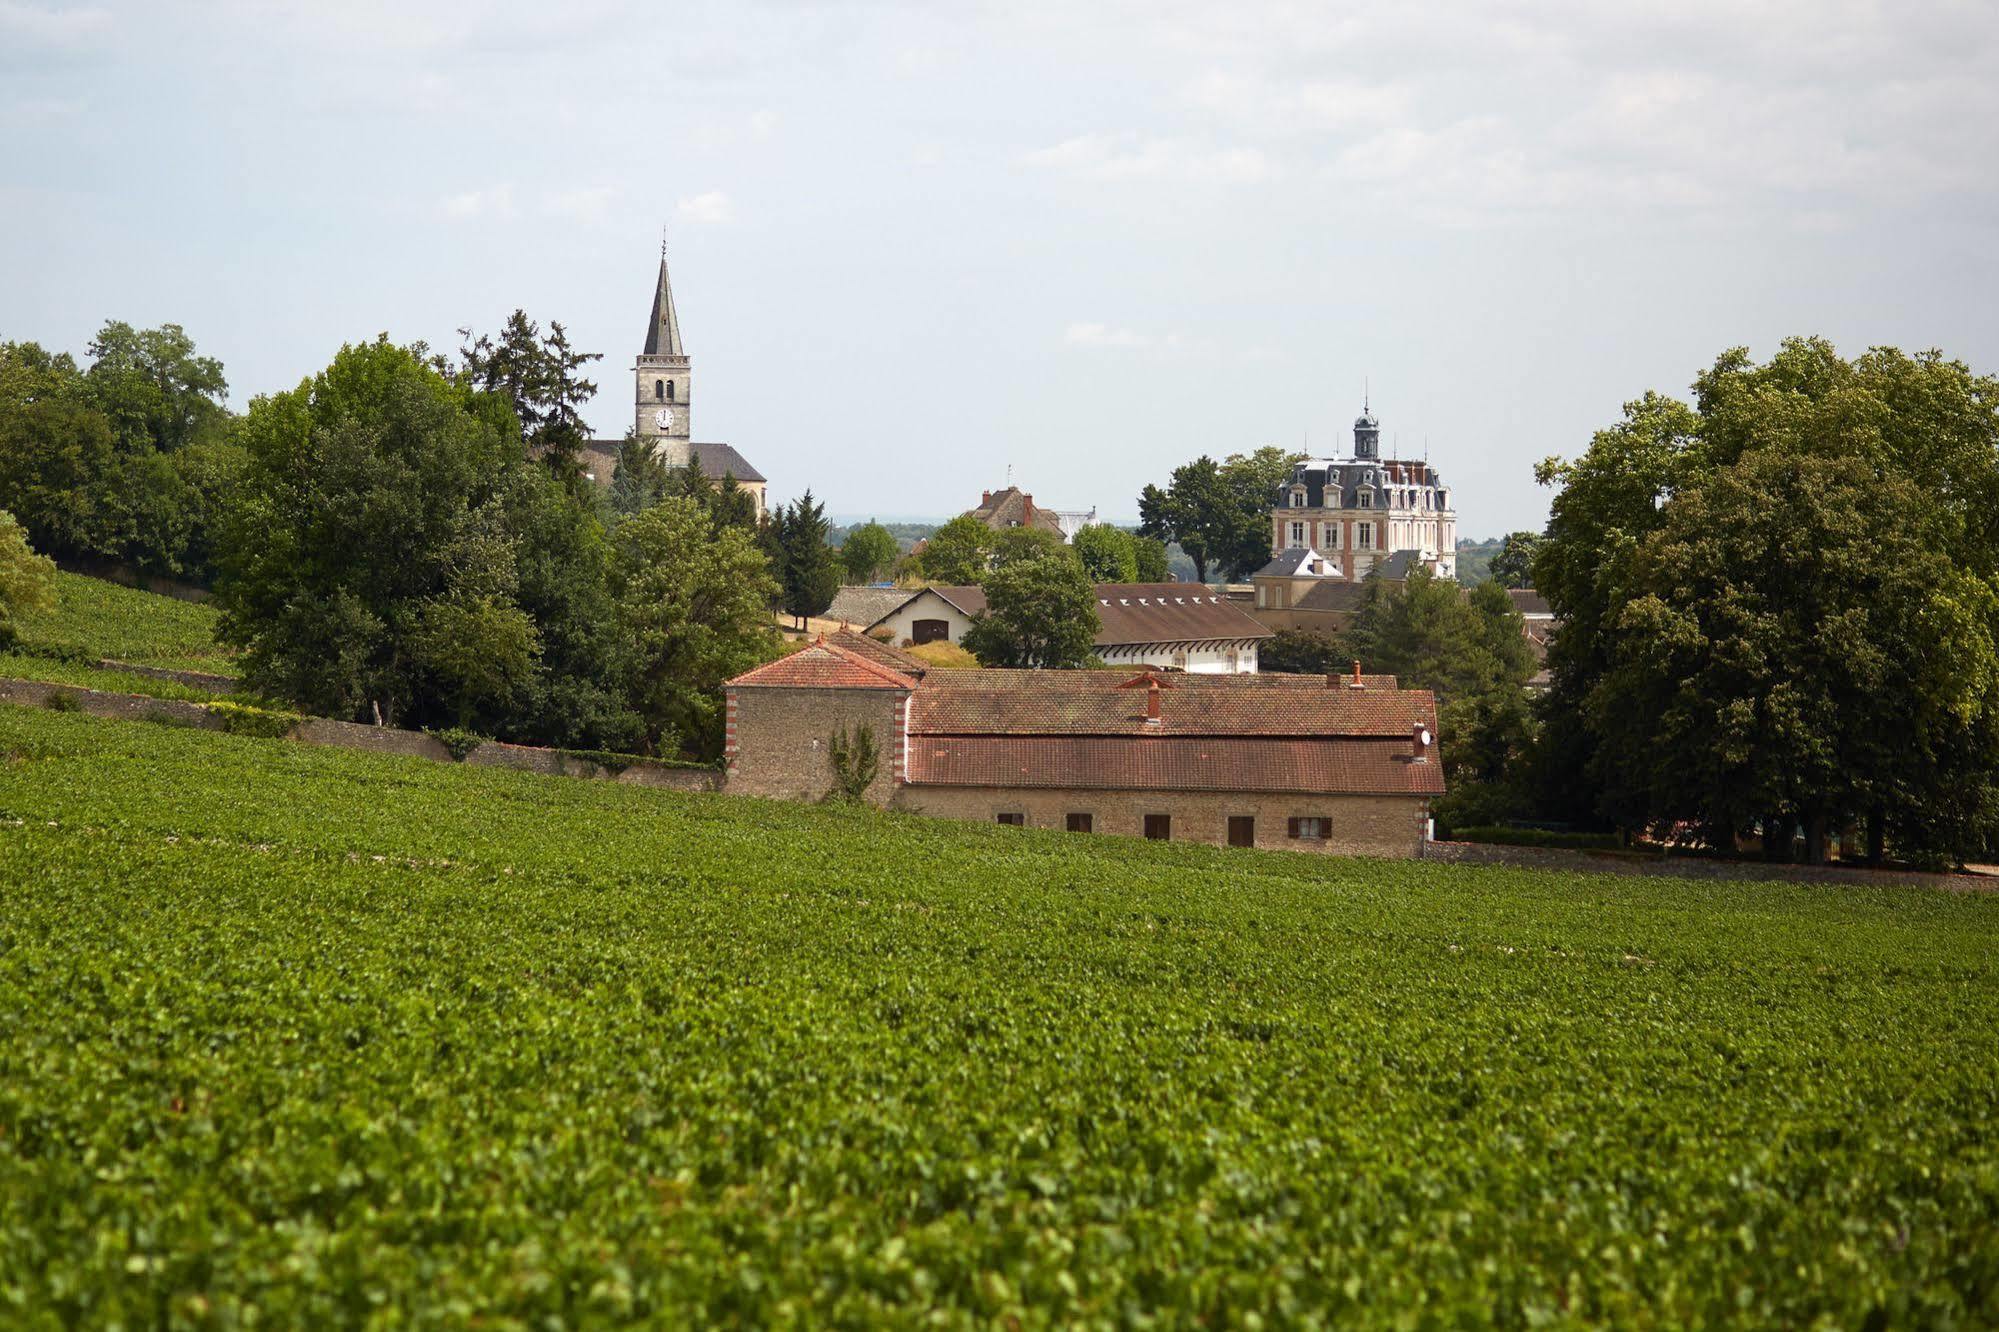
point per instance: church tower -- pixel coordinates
(663, 378)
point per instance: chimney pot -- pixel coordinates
(985, 497)
(1152, 700)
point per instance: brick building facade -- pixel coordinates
(1276, 761)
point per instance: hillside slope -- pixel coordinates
(94, 619)
(327, 1035)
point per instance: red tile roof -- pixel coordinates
(1169, 613)
(882, 654)
(1096, 703)
(1328, 766)
(823, 665)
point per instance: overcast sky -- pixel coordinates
(915, 243)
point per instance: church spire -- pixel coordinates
(663, 334)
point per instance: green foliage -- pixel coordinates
(160, 716)
(692, 605)
(1040, 613)
(868, 552)
(807, 568)
(538, 375)
(856, 759)
(1781, 606)
(63, 700)
(1513, 566)
(92, 620)
(1302, 652)
(1150, 553)
(152, 387)
(956, 553)
(1219, 513)
(578, 1053)
(250, 720)
(459, 742)
(27, 580)
(1109, 554)
(21, 666)
(642, 476)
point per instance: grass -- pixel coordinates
(312, 1037)
(944, 656)
(95, 619)
(21, 666)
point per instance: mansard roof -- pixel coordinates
(1298, 562)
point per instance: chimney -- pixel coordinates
(1027, 504)
(1152, 702)
(1420, 741)
(985, 498)
(1355, 682)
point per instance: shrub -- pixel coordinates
(458, 741)
(1575, 841)
(262, 723)
(856, 758)
(161, 716)
(63, 700)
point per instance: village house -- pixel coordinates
(1173, 626)
(1315, 763)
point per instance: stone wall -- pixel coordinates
(208, 680)
(778, 738)
(119, 707)
(1384, 825)
(1565, 860)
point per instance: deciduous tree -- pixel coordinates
(1040, 612)
(1109, 554)
(868, 552)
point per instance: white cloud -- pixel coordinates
(1103, 335)
(713, 206)
(51, 25)
(1127, 156)
(763, 123)
(495, 202)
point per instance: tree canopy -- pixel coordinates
(1109, 554)
(1219, 513)
(869, 552)
(1513, 566)
(1780, 606)
(27, 580)
(1041, 612)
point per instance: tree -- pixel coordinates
(1513, 566)
(1151, 556)
(1219, 513)
(1040, 613)
(56, 451)
(1302, 652)
(810, 572)
(641, 478)
(27, 580)
(1780, 606)
(1109, 554)
(1010, 545)
(868, 551)
(153, 388)
(539, 376)
(692, 605)
(956, 553)
(372, 495)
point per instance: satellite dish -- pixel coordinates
(1424, 735)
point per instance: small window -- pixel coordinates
(1159, 827)
(669, 390)
(1297, 534)
(659, 390)
(1012, 819)
(1364, 537)
(1079, 823)
(1311, 828)
(1367, 499)
(1297, 499)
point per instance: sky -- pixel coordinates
(920, 248)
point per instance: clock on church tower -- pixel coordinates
(663, 377)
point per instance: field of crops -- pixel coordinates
(322, 1038)
(94, 619)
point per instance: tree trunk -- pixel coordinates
(1815, 839)
(1776, 837)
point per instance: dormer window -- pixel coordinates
(1297, 497)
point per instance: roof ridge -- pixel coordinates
(868, 664)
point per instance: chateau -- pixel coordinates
(1359, 511)
(663, 406)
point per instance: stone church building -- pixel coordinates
(663, 406)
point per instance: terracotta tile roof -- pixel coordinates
(1015, 703)
(880, 653)
(1169, 613)
(1012, 508)
(823, 665)
(1528, 602)
(1330, 766)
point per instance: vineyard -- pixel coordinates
(94, 619)
(310, 1037)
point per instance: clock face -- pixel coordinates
(663, 418)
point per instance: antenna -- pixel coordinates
(662, 240)
(1365, 405)
(1009, 475)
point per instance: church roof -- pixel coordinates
(663, 333)
(717, 460)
